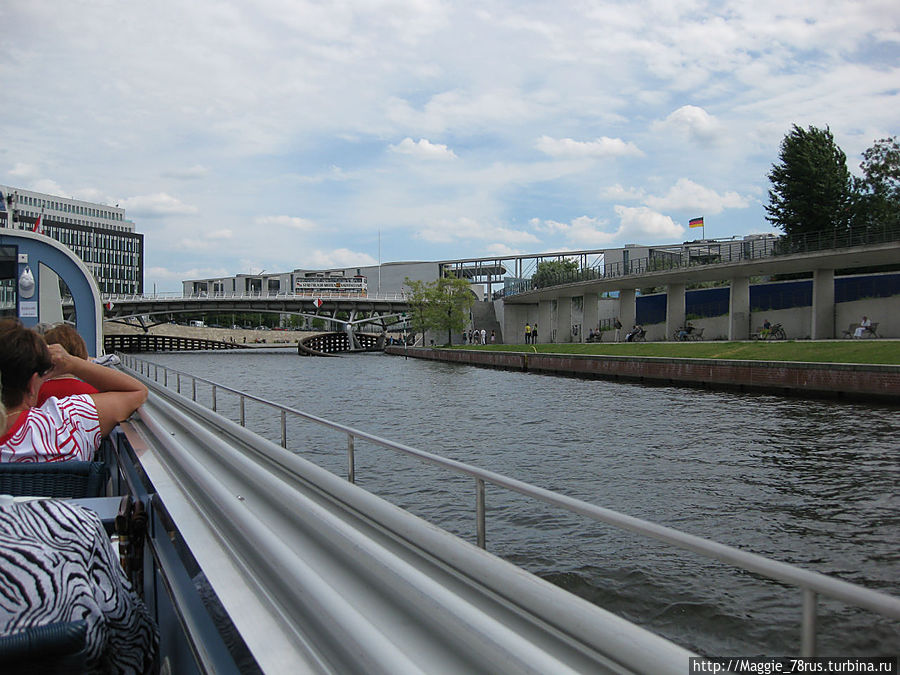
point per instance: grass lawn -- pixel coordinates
(838, 351)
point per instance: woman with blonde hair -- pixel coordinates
(65, 384)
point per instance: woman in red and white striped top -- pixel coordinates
(61, 429)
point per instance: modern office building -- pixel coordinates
(101, 235)
(373, 280)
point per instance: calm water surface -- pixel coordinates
(813, 483)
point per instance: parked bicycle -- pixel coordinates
(687, 333)
(775, 332)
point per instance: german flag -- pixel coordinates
(695, 222)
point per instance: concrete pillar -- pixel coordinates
(823, 305)
(591, 315)
(674, 308)
(514, 319)
(739, 309)
(545, 322)
(563, 320)
(627, 310)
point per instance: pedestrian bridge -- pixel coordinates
(383, 310)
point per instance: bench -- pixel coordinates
(871, 331)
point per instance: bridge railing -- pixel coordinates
(325, 295)
(716, 252)
(811, 584)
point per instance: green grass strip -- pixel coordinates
(882, 352)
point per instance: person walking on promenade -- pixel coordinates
(527, 333)
(618, 326)
(534, 333)
(483, 336)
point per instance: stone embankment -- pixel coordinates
(832, 380)
(239, 335)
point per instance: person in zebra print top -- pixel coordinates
(57, 564)
(61, 429)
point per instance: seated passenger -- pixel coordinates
(65, 384)
(61, 429)
(57, 565)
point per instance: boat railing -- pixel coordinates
(811, 584)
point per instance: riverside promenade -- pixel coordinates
(818, 380)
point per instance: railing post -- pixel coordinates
(283, 429)
(479, 512)
(178, 382)
(214, 398)
(193, 388)
(351, 460)
(165, 377)
(242, 410)
(808, 629)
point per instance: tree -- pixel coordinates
(811, 186)
(442, 304)
(878, 201)
(552, 272)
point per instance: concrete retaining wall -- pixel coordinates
(835, 380)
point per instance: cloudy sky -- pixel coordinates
(275, 134)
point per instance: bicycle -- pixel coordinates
(776, 332)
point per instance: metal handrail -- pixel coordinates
(811, 584)
(715, 252)
(180, 297)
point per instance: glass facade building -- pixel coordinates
(101, 235)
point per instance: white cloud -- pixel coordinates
(187, 173)
(444, 231)
(340, 257)
(582, 232)
(176, 276)
(618, 193)
(52, 187)
(22, 170)
(635, 224)
(601, 148)
(692, 123)
(643, 224)
(292, 222)
(686, 195)
(502, 250)
(423, 149)
(156, 206)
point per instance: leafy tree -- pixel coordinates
(552, 272)
(878, 200)
(442, 304)
(812, 189)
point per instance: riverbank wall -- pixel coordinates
(818, 380)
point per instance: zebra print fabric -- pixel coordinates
(57, 564)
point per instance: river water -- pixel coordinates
(812, 483)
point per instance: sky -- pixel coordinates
(270, 135)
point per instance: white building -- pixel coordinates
(99, 234)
